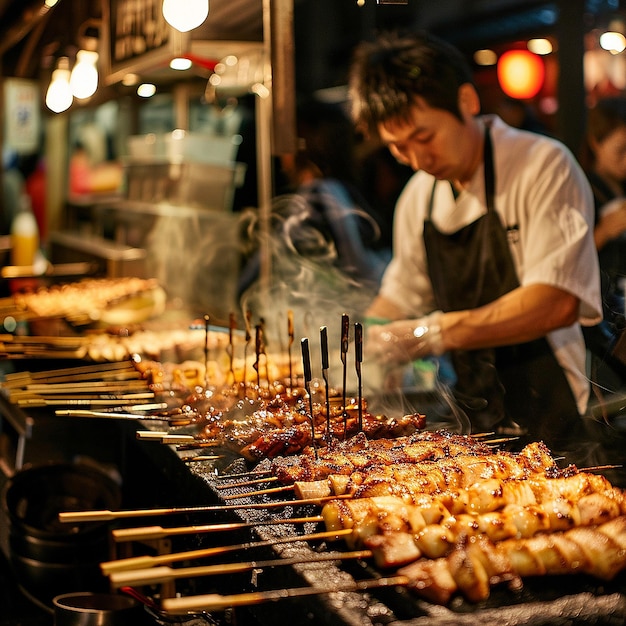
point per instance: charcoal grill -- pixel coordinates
(550, 601)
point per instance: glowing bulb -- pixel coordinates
(59, 95)
(146, 90)
(520, 73)
(84, 77)
(613, 41)
(539, 46)
(485, 57)
(185, 15)
(180, 63)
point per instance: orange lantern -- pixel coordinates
(520, 73)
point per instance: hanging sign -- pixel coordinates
(137, 38)
(22, 121)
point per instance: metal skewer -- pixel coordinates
(306, 365)
(325, 366)
(258, 345)
(290, 336)
(247, 320)
(358, 360)
(232, 326)
(345, 340)
(206, 351)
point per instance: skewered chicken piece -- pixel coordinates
(461, 471)
(360, 454)
(260, 437)
(477, 563)
(399, 533)
(452, 475)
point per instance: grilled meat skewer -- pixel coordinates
(477, 564)
(399, 533)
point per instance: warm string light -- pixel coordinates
(59, 95)
(81, 82)
(185, 15)
(361, 3)
(520, 73)
(84, 77)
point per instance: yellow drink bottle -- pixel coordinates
(24, 236)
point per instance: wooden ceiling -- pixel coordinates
(31, 35)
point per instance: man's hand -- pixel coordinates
(405, 340)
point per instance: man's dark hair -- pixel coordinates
(387, 74)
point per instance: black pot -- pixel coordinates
(34, 498)
(50, 557)
(97, 609)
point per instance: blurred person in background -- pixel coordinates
(320, 220)
(494, 259)
(13, 185)
(603, 157)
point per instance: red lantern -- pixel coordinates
(520, 73)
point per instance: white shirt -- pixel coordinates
(545, 202)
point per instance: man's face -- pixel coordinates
(433, 140)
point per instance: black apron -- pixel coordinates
(523, 383)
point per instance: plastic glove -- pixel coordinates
(405, 340)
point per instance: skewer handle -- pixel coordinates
(215, 602)
(105, 515)
(324, 347)
(306, 359)
(345, 335)
(358, 342)
(290, 329)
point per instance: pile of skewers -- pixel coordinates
(252, 414)
(85, 301)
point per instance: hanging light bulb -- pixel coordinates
(84, 77)
(59, 95)
(185, 15)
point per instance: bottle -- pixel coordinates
(24, 235)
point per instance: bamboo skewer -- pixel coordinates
(163, 573)
(114, 402)
(87, 386)
(140, 562)
(216, 602)
(112, 415)
(254, 472)
(261, 492)
(105, 515)
(82, 372)
(246, 483)
(173, 438)
(158, 532)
